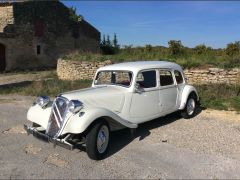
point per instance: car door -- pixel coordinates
(180, 85)
(168, 92)
(144, 104)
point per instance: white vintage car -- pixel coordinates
(122, 95)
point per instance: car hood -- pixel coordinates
(108, 97)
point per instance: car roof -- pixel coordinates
(141, 65)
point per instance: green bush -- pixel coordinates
(175, 47)
(220, 96)
(233, 48)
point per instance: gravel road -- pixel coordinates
(207, 146)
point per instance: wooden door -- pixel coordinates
(2, 58)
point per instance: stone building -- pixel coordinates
(34, 34)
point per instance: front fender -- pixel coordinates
(39, 115)
(185, 93)
(78, 124)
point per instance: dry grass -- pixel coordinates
(218, 96)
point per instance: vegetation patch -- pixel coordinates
(199, 56)
(220, 96)
(50, 87)
(214, 96)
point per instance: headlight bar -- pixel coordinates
(42, 101)
(75, 106)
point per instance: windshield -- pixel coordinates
(121, 78)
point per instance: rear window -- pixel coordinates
(166, 78)
(178, 77)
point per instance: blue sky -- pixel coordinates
(214, 23)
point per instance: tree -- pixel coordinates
(175, 47)
(233, 48)
(104, 41)
(115, 41)
(109, 47)
(201, 49)
(73, 15)
(238, 44)
(108, 42)
(148, 47)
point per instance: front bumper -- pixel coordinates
(40, 135)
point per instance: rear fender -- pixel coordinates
(187, 90)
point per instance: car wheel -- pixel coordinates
(190, 109)
(97, 140)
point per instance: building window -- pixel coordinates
(38, 49)
(39, 28)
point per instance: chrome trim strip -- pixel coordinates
(58, 111)
(56, 118)
(62, 120)
(64, 124)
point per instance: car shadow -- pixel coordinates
(8, 86)
(121, 138)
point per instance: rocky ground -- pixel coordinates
(207, 146)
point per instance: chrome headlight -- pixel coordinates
(42, 101)
(75, 106)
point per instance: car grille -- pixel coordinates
(57, 117)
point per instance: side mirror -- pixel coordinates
(137, 88)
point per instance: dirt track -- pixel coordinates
(14, 78)
(207, 146)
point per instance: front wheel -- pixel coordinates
(97, 140)
(190, 109)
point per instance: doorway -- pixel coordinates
(2, 58)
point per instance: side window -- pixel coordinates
(166, 78)
(147, 79)
(178, 77)
(123, 78)
(104, 78)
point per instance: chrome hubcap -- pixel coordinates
(102, 139)
(190, 106)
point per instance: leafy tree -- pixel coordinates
(201, 49)
(175, 47)
(238, 44)
(233, 48)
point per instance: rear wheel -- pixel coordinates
(97, 140)
(190, 109)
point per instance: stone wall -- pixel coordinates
(74, 70)
(78, 70)
(213, 76)
(6, 16)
